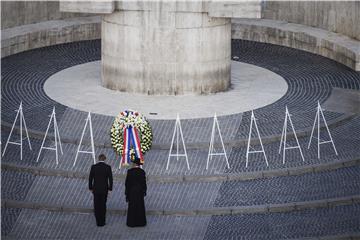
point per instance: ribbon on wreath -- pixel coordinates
(131, 138)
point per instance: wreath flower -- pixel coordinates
(135, 119)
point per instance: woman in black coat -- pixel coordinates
(135, 190)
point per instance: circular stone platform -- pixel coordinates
(79, 87)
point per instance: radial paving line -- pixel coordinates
(305, 88)
(193, 178)
(287, 207)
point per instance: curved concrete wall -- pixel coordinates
(26, 25)
(341, 16)
(17, 13)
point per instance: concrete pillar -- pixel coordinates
(166, 47)
(165, 52)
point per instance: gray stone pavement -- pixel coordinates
(343, 100)
(309, 77)
(8, 219)
(346, 138)
(339, 183)
(342, 220)
(51, 225)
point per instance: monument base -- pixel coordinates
(164, 52)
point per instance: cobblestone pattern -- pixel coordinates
(346, 137)
(310, 78)
(74, 192)
(171, 196)
(24, 74)
(34, 224)
(52, 225)
(194, 130)
(307, 223)
(15, 185)
(308, 187)
(12, 154)
(8, 219)
(155, 160)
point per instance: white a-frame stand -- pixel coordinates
(253, 121)
(177, 133)
(22, 121)
(319, 112)
(211, 147)
(92, 152)
(283, 137)
(56, 137)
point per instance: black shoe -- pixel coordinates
(101, 225)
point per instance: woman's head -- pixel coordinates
(136, 161)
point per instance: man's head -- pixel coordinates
(102, 157)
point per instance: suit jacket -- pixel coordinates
(100, 178)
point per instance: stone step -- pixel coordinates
(59, 191)
(26, 37)
(329, 44)
(346, 138)
(194, 144)
(322, 223)
(215, 211)
(39, 171)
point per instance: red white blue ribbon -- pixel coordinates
(131, 139)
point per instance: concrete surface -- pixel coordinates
(26, 37)
(97, 7)
(18, 13)
(166, 47)
(343, 100)
(80, 87)
(336, 16)
(162, 52)
(332, 45)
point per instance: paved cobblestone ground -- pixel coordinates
(310, 78)
(346, 137)
(51, 225)
(186, 196)
(314, 186)
(308, 223)
(8, 219)
(34, 224)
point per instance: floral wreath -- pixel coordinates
(134, 119)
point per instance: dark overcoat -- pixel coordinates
(135, 191)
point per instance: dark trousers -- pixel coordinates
(100, 208)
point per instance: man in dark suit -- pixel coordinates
(100, 183)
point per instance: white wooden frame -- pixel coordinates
(22, 121)
(92, 152)
(283, 146)
(211, 147)
(319, 112)
(177, 133)
(253, 121)
(56, 138)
